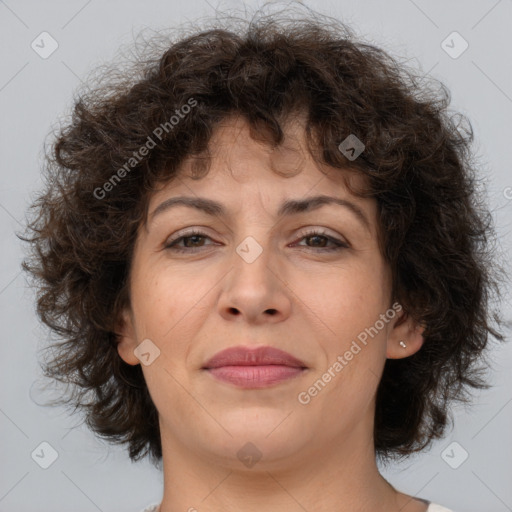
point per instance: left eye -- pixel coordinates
(196, 236)
(319, 235)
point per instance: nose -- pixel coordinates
(255, 290)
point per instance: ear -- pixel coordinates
(405, 329)
(127, 341)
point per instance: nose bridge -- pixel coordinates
(254, 288)
(253, 257)
(254, 229)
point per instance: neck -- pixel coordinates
(327, 475)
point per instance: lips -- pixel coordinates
(259, 356)
(254, 368)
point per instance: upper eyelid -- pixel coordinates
(204, 230)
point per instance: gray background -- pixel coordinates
(90, 475)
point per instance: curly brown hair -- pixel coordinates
(434, 227)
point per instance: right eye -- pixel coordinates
(194, 235)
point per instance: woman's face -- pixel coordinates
(253, 278)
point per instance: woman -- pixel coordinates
(263, 255)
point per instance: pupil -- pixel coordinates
(316, 237)
(189, 238)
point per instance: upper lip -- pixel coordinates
(250, 356)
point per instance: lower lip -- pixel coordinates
(255, 376)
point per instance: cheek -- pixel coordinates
(345, 301)
(352, 354)
(168, 303)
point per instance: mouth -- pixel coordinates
(253, 368)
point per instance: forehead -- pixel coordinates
(244, 164)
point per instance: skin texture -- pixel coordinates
(313, 304)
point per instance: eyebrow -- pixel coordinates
(287, 208)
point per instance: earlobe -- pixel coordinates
(405, 339)
(126, 339)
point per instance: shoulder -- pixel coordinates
(434, 507)
(154, 508)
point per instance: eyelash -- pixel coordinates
(339, 245)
